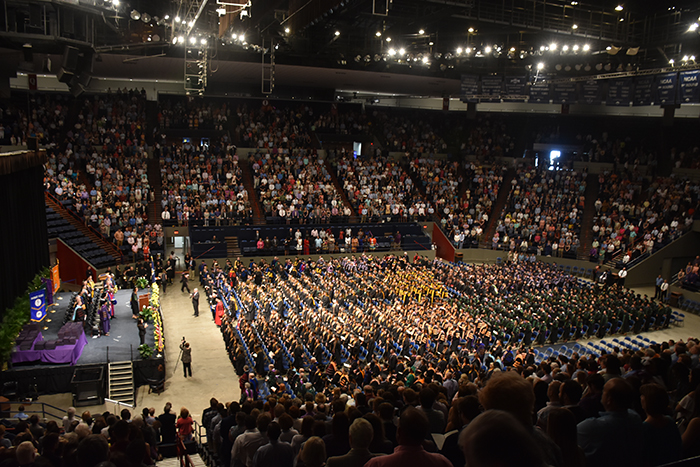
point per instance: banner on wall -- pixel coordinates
(55, 278)
(689, 92)
(643, 90)
(37, 305)
(590, 93)
(491, 86)
(564, 93)
(666, 88)
(469, 88)
(516, 90)
(619, 92)
(539, 93)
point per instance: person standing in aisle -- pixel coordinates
(195, 301)
(186, 357)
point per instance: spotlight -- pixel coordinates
(193, 40)
(431, 43)
(468, 50)
(692, 58)
(388, 39)
(166, 17)
(608, 67)
(685, 58)
(377, 57)
(557, 67)
(190, 24)
(574, 26)
(586, 48)
(241, 38)
(146, 18)
(552, 46)
(402, 51)
(337, 33)
(115, 3)
(368, 59)
(203, 42)
(565, 48)
(425, 59)
(693, 27)
(671, 62)
(459, 50)
(599, 66)
(487, 49)
(421, 32)
(392, 52)
(619, 8)
(174, 40)
(587, 67)
(576, 48)
(180, 40)
(567, 68)
(471, 30)
(619, 67)
(512, 49)
(378, 34)
(287, 30)
(135, 15)
(234, 36)
(540, 65)
(177, 19)
(541, 48)
(578, 67)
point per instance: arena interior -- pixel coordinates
(349, 233)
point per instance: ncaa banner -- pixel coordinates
(667, 88)
(469, 88)
(516, 90)
(37, 305)
(643, 90)
(690, 92)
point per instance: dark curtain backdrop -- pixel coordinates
(24, 243)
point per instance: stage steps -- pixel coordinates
(121, 382)
(175, 462)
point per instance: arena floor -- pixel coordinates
(212, 372)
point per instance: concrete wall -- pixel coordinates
(644, 273)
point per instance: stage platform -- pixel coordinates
(121, 345)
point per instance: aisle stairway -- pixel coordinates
(232, 247)
(121, 382)
(175, 462)
(498, 207)
(154, 180)
(107, 248)
(247, 176)
(586, 236)
(338, 186)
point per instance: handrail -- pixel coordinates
(42, 410)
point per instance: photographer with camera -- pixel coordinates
(186, 357)
(194, 296)
(185, 281)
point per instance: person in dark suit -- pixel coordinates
(186, 357)
(167, 425)
(142, 330)
(195, 301)
(361, 434)
(134, 303)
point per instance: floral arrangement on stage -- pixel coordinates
(154, 301)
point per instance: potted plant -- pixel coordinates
(145, 351)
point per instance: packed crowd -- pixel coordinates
(193, 114)
(296, 187)
(420, 135)
(327, 352)
(689, 276)
(380, 189)
(202, 186)
(543, 213)
(345, 122)
(487, 139)
(631, 222)
(268, 127)
(466, 227)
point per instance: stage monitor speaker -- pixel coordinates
(88, 386)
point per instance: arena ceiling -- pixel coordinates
(428, 39)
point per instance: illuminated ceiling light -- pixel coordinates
(574, 3)
(337, 33)
(203, 42)
(431, 43)
(540, 65)
(512, 49)
(553, 46)
(193, 40)
(174, 40)
(388, 39)
(177, 19)
(167, 17)
(471, 30)
(565, 48)
(693, 27)
(574, 26)
(541, 48)
(468, 50)
(422, 31)
(619, 8)
(487, 49)
(180, 40)
(685, 58)
(221, 11)
(425, 59)
(459, 50)
(146, 18)
(234, 36)
(692, 58)
(190, 24)
(378, 34)
(287, 30)
(576, 48)
(392, 52)
(241, 38)
(402, 51)
(671, 62)
(622, 20)
(135, 15)
(586, 48)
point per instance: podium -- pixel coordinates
(143, 300)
